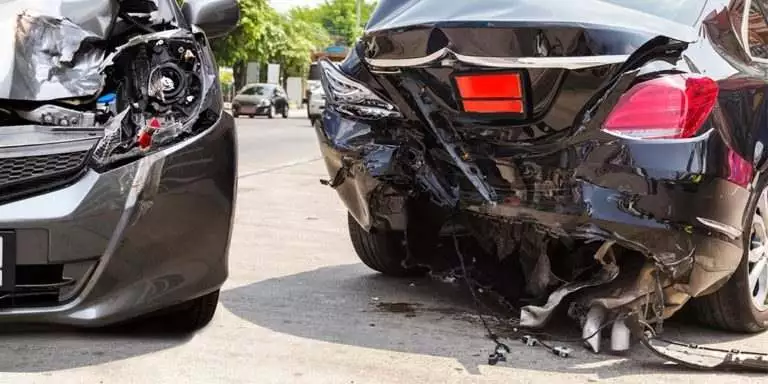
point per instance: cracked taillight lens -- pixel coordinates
(667, 107)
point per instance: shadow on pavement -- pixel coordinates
(32, 348)
(348, 305)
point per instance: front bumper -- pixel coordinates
(252, 109)
(148, 235)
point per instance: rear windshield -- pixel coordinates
(682, 11)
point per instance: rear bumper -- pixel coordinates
(670, 200)
(153, 233)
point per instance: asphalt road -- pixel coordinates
(299, 308)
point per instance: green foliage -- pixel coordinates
(338, 17)
(265, 36)
(256, 37)
(301, 38)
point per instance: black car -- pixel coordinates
(609, 154)
(261, 100)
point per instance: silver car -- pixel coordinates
(315, 104)
(118, 164)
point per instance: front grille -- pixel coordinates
(19, 175)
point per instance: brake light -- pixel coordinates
(668, 107)
(491, 93)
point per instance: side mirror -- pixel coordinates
(215, 17)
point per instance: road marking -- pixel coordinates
(278, 167)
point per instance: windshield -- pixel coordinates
(263, 90)
(682, 11)
(259, 90)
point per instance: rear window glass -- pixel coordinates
(682, 11)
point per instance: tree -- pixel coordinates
(338, 17)
(302, 36)
(256, 38)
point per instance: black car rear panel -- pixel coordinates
(680, 203)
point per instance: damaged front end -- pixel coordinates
(543, 161)
(116, 79)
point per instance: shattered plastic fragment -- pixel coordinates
(113, 136)
(535, 316)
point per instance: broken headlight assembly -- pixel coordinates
(159, 89)
(352, 98)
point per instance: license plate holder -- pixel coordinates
(7, 261)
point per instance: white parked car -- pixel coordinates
(315, 104)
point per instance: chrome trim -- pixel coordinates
(573, 62)
(731, 232)
(414, 62)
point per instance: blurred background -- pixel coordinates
(278, 42)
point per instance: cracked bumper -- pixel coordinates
(671, 201)
(156, 231)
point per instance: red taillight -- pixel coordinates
(491, 93)
(668, 107)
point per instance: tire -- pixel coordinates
(734, 307)
(251, 116)
(193, 315)
(381, 251)
(285, 112)
(235, 112)
(272, 112)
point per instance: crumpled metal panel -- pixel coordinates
(53, 49)
(53, 59)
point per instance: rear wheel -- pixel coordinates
(271, 114)
(193, 315)
(382, 251)
(285, 111)
(740, 306)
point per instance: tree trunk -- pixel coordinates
(239, 72)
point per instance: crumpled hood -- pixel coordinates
(393, 14)
(53, 49)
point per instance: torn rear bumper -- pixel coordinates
(677, 202)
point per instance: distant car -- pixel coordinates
(261, 100)
(313, 80)
(315, 104)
